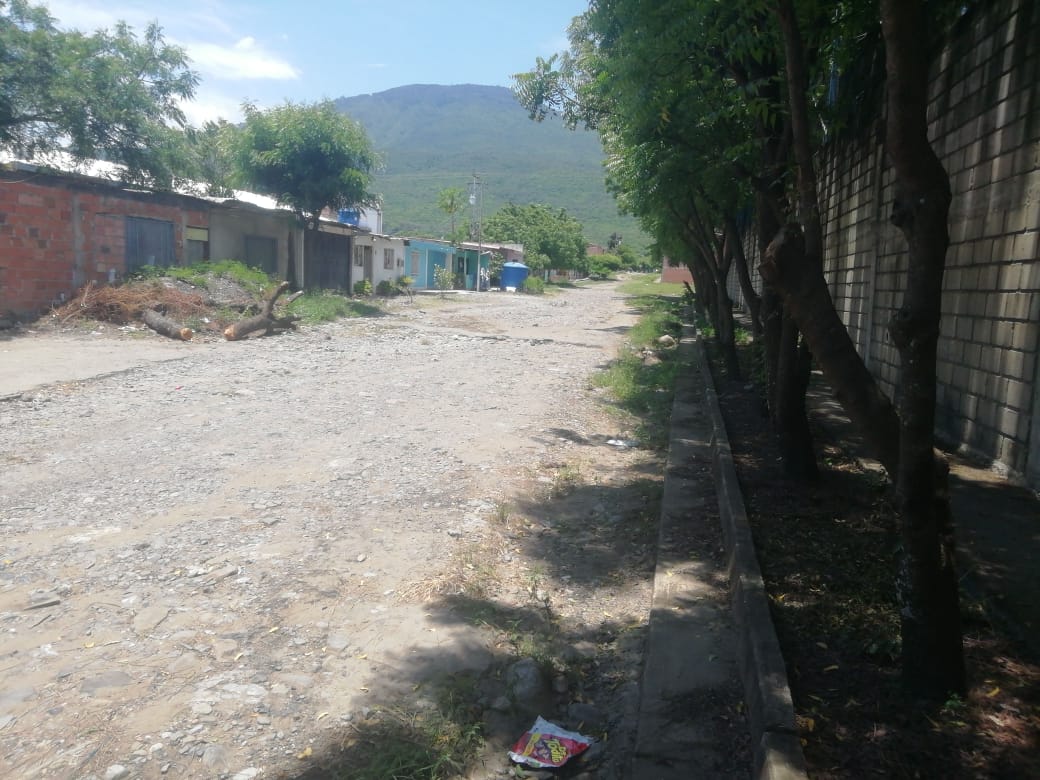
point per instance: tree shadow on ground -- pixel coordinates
(561, 580)
(570, 546)
(828, 556)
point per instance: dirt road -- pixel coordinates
(215, 560)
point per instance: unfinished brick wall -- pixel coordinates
(985, 126)
(59, 233)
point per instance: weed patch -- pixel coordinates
(435, 737)
(641, 380)
(315, 307)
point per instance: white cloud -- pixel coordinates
(246, 59)
(211, 105)
(198, 29)
(87, 17)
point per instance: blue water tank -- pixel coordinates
(350, 216)
(513, 275)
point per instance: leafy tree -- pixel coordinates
(209, 162)
(108, 95)
(692, 97)
(451, 201)
(628, 256)
(545, 232)
(605, 266)
(309, 157)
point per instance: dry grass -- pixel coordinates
(125, 303)
(471, 572)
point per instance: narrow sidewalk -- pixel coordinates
(715, 700)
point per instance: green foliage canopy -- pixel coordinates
(551, 238)
(452, 200)
(107, 95)
(308, 156)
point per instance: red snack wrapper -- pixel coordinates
(546, 745)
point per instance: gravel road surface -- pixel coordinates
(216, 557)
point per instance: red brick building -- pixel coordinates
(57, 233)
(676, 274)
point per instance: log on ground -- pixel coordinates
(166, 326)
(265, 320)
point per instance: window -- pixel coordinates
(388, 258)
(262, 253)
(359, 255)
(415, 263)
(196, 245)
(148, 242)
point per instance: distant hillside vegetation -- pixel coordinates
(433, 137)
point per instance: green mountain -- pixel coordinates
(434, 137)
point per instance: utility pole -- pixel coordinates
(476, 201)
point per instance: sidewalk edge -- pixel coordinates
(774, 735)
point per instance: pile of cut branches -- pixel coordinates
(126, 303)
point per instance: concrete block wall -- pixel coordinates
(848, 188)
(985, 126)
(985, 120)
(58, 233)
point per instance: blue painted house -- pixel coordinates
(423, 256)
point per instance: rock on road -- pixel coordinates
(203, 554)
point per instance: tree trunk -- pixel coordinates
(809, 302)
(265, 320)
(790, 419)
(704, 283)
(772, 308)
(166, 327)
(751, 297)
(698, 304)
(725, 330)
(709, 254)
(933, 658)
(795, 437)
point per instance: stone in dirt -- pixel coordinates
(109, 679)
(527, 685)
(215, 757)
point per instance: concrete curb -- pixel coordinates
(691, 647)
(774, 735)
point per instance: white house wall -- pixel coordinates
(379, 244)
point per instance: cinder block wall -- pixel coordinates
(59, 233)
(985, 126)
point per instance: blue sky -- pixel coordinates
(269, 51)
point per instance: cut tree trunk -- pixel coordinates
(265, 320)
(165, 326)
